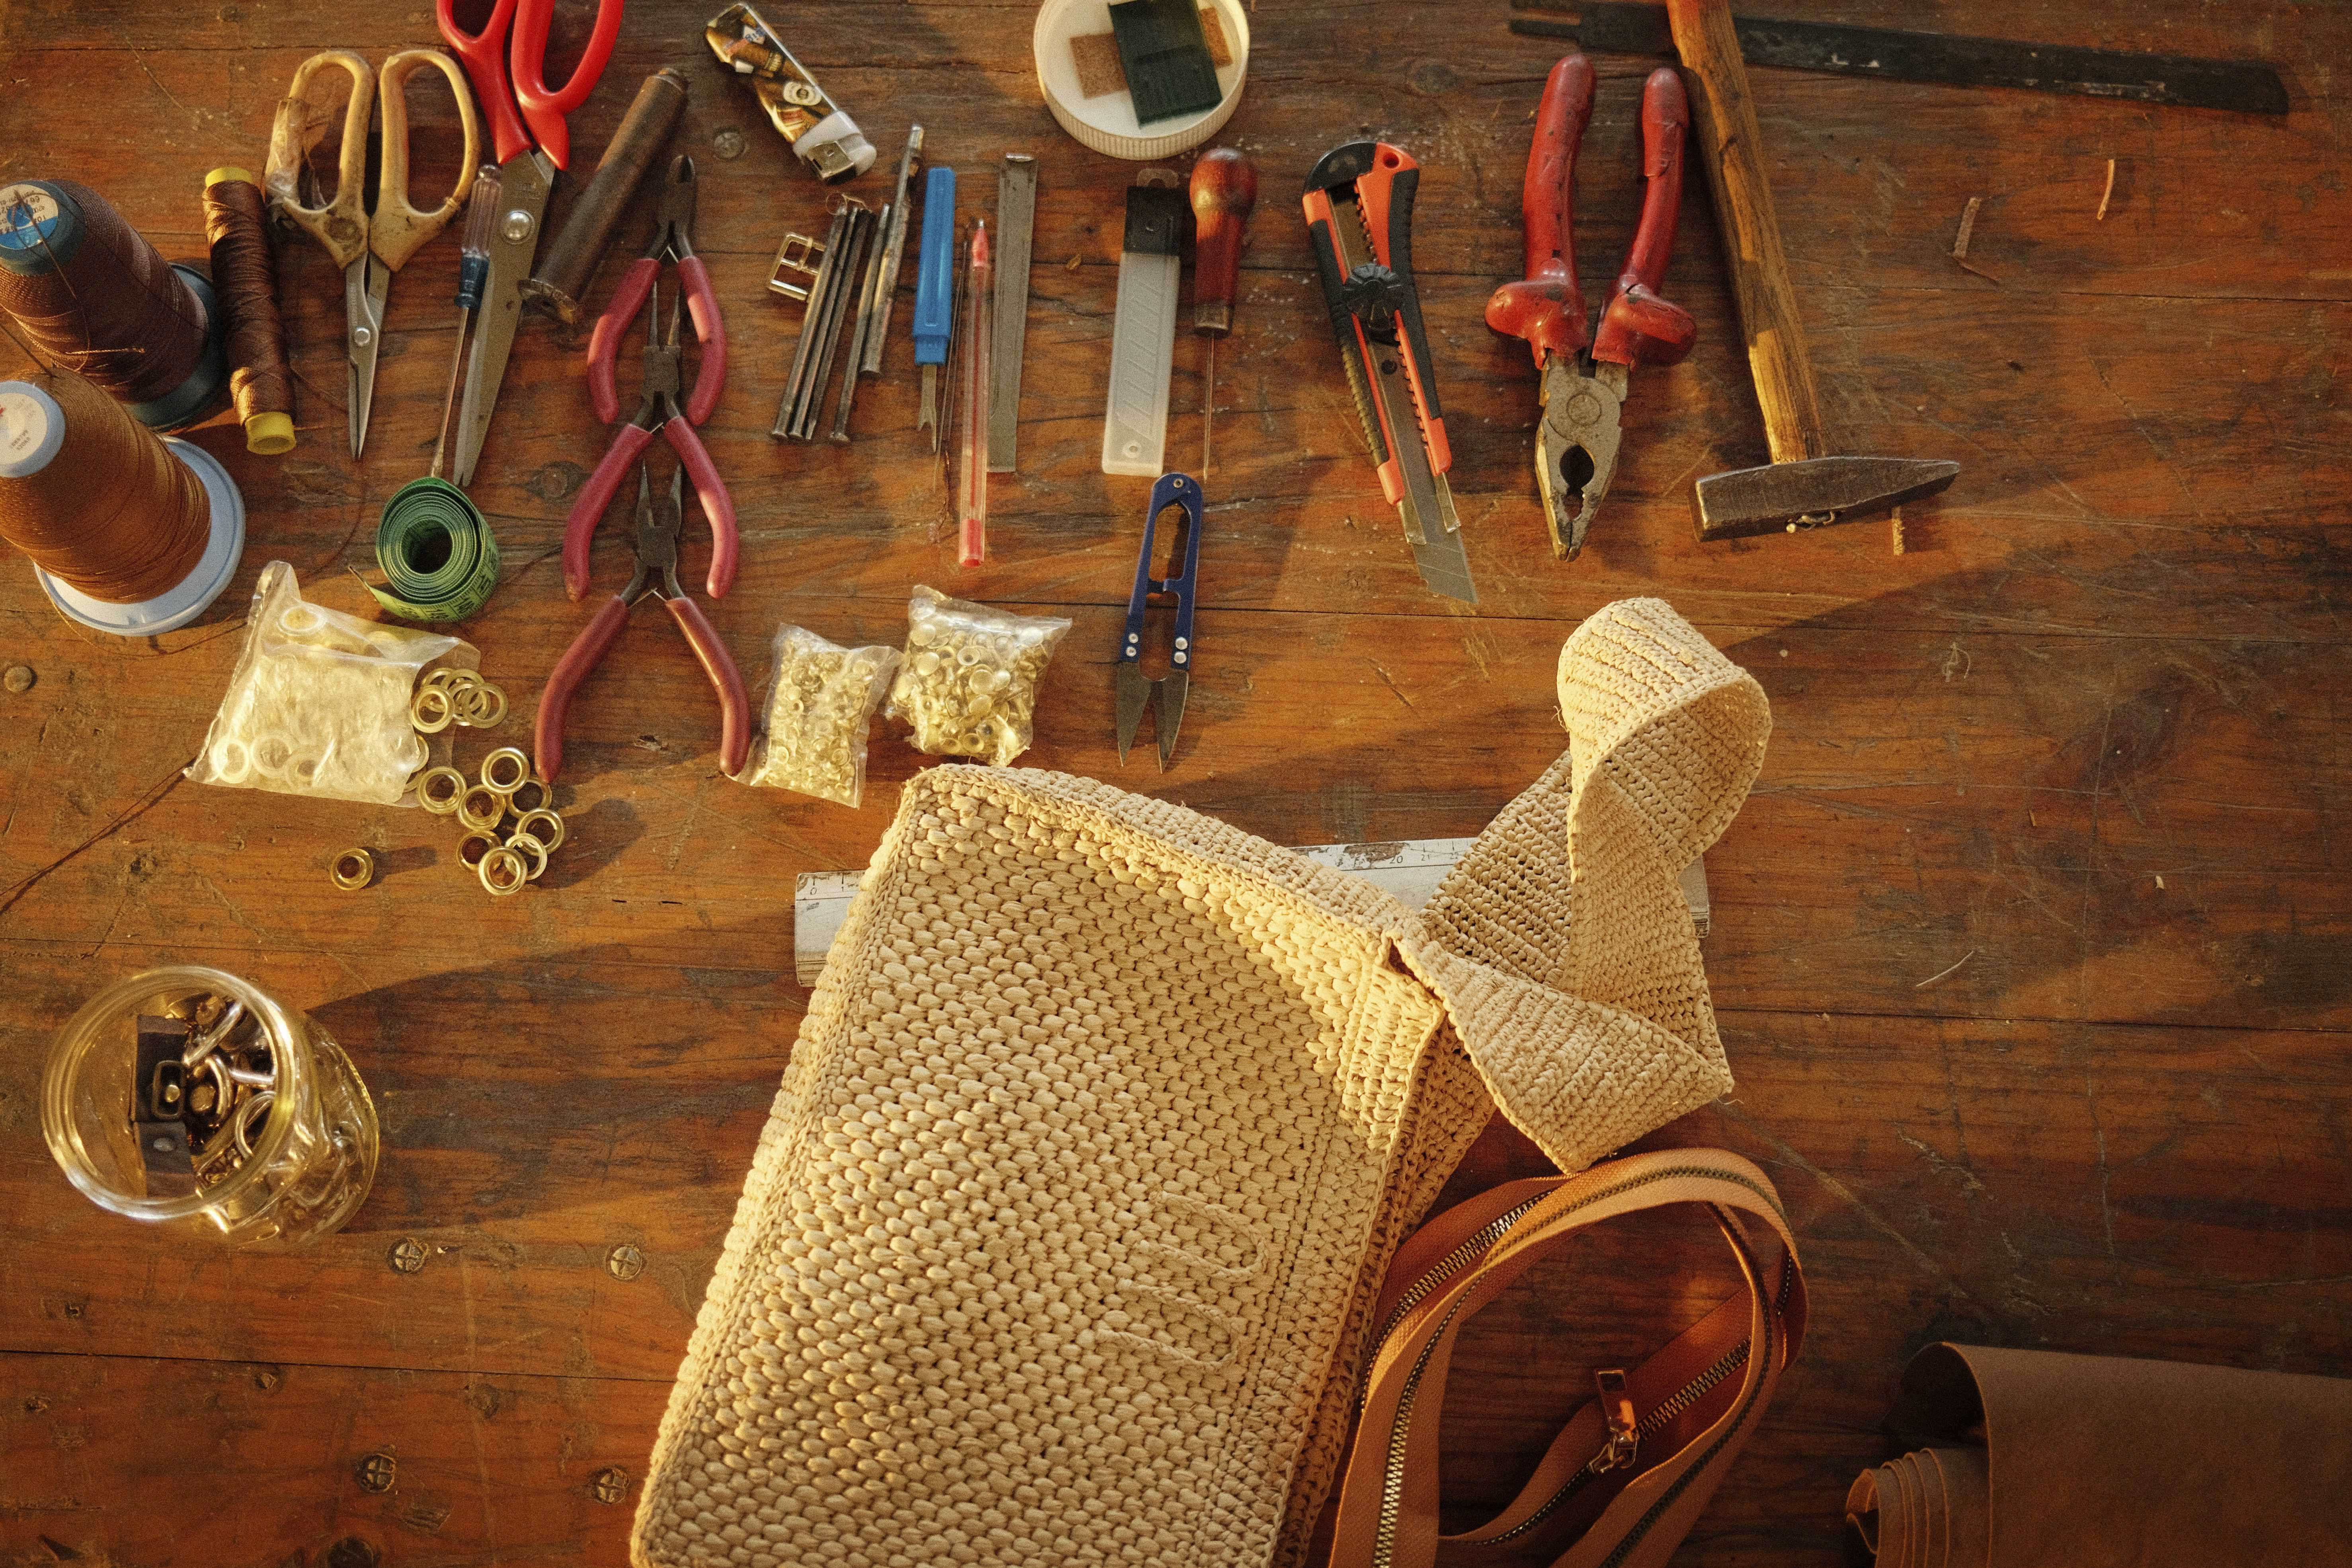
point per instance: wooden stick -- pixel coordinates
(1726, 119)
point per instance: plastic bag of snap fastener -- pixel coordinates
(968, 684)
(319, 702)
(820, 705)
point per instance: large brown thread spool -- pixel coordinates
(129, 532)
(259, 380)
(88, 292)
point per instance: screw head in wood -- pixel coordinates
(612, 1484)
(407, 1256)
(625, 1262)
(20, 678)
(377, 1472)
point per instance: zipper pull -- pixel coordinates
(1617, 1409)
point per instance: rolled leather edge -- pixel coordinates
(2038, 1459)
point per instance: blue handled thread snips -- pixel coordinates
(1133, 689)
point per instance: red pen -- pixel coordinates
(971, 491)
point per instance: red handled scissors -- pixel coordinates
(508, 62)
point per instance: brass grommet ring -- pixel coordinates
(481, 808)
(532, 849)
(441, 789)
(354, 869)
(480, 706)
(473, 848)
(543, 795)
(544, 826)
(503, 871)
(431, 710)
(506, 770)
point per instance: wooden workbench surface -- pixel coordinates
(2029, 948)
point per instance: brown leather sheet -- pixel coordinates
(2033, 1460)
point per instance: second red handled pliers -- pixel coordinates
(659, 520)
(657, 411)
(1586, 368)
(673, 241)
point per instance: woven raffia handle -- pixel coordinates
(1469, 1255)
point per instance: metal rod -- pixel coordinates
(801, 352)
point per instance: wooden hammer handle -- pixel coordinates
(1725, 116)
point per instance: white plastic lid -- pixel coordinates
(32, 428)
(1107, 123)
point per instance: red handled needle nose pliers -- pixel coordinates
(673, 242)
(1585, 369)
(659, 520)
(657, 411)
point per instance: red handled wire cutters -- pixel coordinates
(657, 411)
(659, 520)
(1585, 370)
(673, 220)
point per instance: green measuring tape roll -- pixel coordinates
(438, 552)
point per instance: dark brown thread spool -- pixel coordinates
(93, 296)
(258, 377)
(101, 505)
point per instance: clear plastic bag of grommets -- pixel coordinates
(821, 703)
(968, 684)
(320, 702)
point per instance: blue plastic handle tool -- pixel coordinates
(1172, 489)
(935, 270)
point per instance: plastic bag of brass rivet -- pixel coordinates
(319, 704)
(967, 682)
(819, 708)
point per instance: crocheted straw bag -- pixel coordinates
(1064, 1237)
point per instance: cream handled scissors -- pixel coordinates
(369, 247)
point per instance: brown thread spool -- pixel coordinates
(258, 377)
(130, 535)
(91, 294)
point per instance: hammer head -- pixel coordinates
(1813, 493)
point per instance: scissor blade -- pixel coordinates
(1132, 692)
(365, 285)
(1168, 712)
(523, 185)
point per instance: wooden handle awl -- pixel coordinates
(1726, 117)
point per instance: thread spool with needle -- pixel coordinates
(129, 532)
(90, 294)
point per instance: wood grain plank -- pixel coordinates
(2056, 1187)
(251, 1463)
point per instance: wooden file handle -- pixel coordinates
(1726, 117)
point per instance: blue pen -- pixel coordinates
(934, 291)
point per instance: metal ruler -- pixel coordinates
(1016, 214)
(1617, 27)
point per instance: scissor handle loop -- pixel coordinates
(543, 107)
(485, 57)
(399, 229)
(340, 226)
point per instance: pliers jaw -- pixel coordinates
(1575, 445)
(674, 216)
(660, 521)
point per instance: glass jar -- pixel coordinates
(270, 1135)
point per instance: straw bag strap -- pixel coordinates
(1639, 1502)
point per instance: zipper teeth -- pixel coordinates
(1392, 1476)
(1690, 1393)
(1695, 1389)
(1444, 1269)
